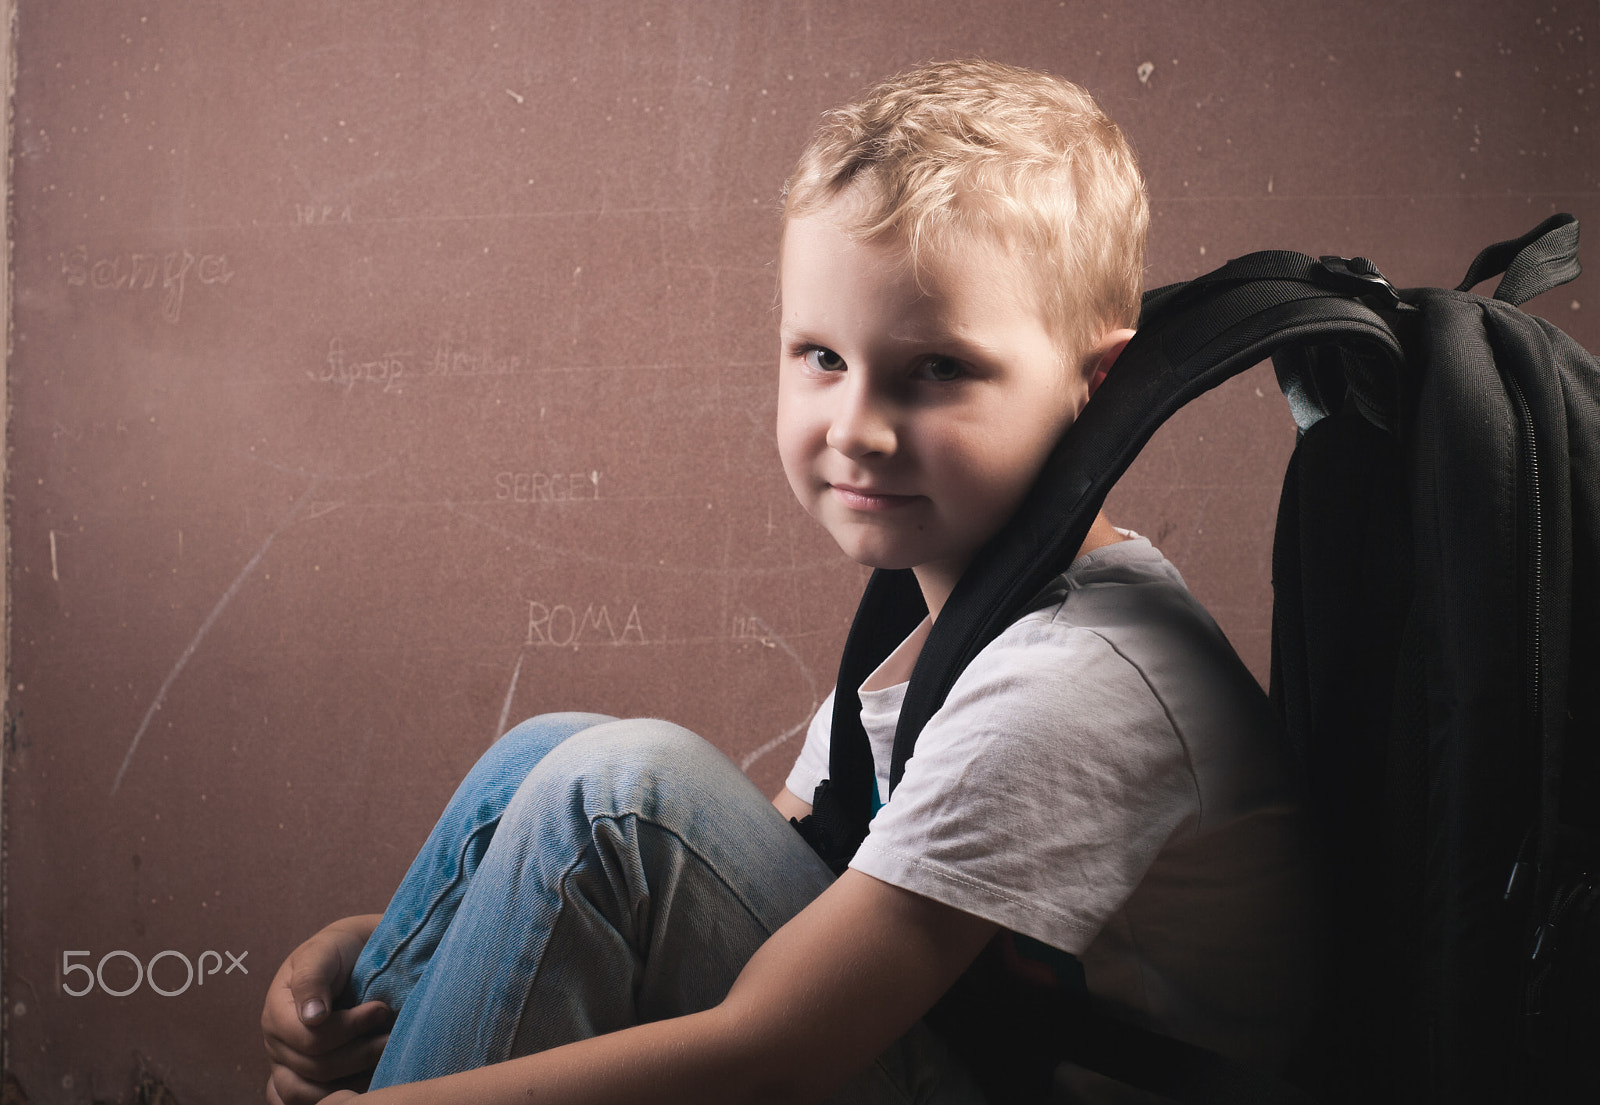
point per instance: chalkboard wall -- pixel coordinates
(383, 373)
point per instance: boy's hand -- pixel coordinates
(315, 1049)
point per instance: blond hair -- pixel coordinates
(966, 148)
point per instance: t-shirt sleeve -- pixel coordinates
(811, 766)
(1041, 792)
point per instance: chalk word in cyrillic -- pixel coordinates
(165, 273)
(341, 371)
(317, 214)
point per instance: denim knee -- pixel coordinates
(641, 766)
(522, 746)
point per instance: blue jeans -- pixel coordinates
(590, 874)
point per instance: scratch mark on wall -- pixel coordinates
(325, 507)
(811, 686)
(205, 627)
(320, 477)
(583, 555)
(55, 574)
(505, 710)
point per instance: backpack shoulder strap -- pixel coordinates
(1192, 337)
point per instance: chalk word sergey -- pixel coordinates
(146, 972)
(451, 360)
(142, 272)
(336, 370)
(547, 487)
(563, 626)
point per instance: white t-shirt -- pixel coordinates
(1106, 777)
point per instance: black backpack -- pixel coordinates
(1436, 665)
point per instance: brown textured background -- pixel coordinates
(383, 372)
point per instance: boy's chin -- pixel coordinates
(877, 558)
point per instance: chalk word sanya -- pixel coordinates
(342, 371)
(546, 487)
(561, 625)
(144, 974)
(163, 273)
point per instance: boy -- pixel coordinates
(612, 902)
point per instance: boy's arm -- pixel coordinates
(817, 1003)
(790, 804)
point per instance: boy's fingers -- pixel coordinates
(369, 1017)
(285, 1087)
(323, 1051)
(342, 1048)
(326, 1057)
(312, 981)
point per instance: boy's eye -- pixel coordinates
(942, 369)
(824, 360)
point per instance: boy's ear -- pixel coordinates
(1104, 355)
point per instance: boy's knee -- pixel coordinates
(640, 745)
(543, 726)
(636, 764)
(523, 746)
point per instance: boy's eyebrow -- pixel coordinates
(947, 339)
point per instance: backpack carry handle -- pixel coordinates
(1545, 257)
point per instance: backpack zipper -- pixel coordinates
(1537, 972)
(1536, 565)
(1534, 616)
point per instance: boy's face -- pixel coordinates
(912, 416)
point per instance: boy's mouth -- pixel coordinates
(865, 498)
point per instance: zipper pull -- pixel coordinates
(1520, 867)
(1518, 870)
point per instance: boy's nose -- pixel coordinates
(862, 424)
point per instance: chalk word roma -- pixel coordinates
(547, 487)
(563, 626)
(165, 273)
(341, 372)
(146, 972)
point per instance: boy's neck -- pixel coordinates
(937, 581)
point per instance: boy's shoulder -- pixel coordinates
(1120, 635)
(1125, 589)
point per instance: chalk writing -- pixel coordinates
(547, 487)
(750, 627)
(163, 273)
(451, 360)
(318, 214)
(563, 626)
(339, 371)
